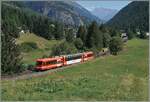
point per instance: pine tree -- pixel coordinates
(106, 39)
(94, 37)
(10, 55)
(106, 36)
(130, 33)
(59, 31)
(70, 36)
(82, 33)
(113, 32)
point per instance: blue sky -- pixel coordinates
(90, 5)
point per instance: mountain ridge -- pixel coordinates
(67, 12)
(134, 16)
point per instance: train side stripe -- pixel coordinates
(73, 61)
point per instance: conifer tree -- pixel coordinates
(82, 33)
(70, 36)
(10, 59)
(59, 31)
(94, 37)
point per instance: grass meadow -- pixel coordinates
(123, 77)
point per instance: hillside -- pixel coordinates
(67, 12)
(41, 42)
(135, 16)
(120, 78)
(44, 47)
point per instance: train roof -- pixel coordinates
(55, 58)
(48, 59)
(88, 52)
(74, 54)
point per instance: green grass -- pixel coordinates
(43, 45)
(122, 77)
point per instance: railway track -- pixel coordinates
(33, 74)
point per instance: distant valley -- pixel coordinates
(104, 14)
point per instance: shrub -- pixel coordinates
(31, 67)
(78, 43)
(116, 45)
(95, 51)
(143, 35)
(130, 34)
(63, 48)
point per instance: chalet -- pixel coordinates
(147, 33)
(124, 37)
(22, 32)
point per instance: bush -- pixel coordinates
(24, 66)
(95, 51)
(31, 67)
(28, 46)
(78, 43)
(130, 35)
(116, 45)
(143, 35)
(63, 48)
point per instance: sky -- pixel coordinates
(90, 5)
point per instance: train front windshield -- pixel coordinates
(40, 63)
(90, 55)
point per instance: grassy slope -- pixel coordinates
(43, 45)
(122, 77)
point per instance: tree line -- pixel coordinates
(93, 37)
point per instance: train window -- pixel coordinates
(51, 62)
(73, 57)
(89, 55)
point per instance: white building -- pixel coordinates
(124, 37)
(147, 33)
(22, 31)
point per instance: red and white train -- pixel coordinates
(50, 63)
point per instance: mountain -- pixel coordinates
(68, 12)
(104, 13)
(134, 16)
